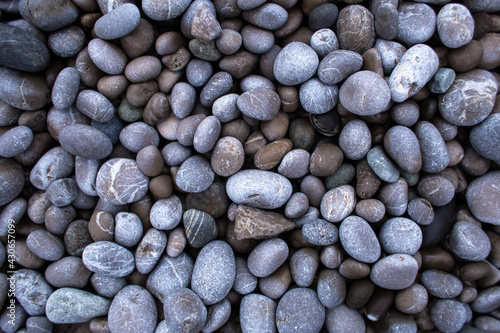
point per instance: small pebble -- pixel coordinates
(359, 239)
(257, 314)
(441, 284)
(394, 272)
(267, 257)
(469, 242)
(108, 259)
(304, 301)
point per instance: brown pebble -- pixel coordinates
(150, 161)
(379, 304)
(102, 226)
(161, 186)
(437, 258)
(176, 242)
(157, 109)
(325, 160)
(271, 154)
(359, 293)
(354, 269)
(367, 182)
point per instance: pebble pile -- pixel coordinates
(249, 166)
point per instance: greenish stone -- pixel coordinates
(343, 176)
(382, 165)
(208, 52)
(411, 178)
(128, 112)
(442, 80)
(302, 133)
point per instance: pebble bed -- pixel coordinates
(249, 166)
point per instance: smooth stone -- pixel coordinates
(442, 80)
(39, 324)
(402, 145)
(303, 301)
(169, 275)
(359, 239)
(317, 97)
(394, 272)
(416, 23)
(448, 315)
(257, 314)
(441, 284)
(400, 235)
(259, 188)
(437, 189)
(295, 64)
(118, 23)
(184, 311)
(217, 315)
(412, 300)
(128, 229)
(455, 25)
(143, 69)
(132, 309)
(269, 16)
(219, 84)
(421, 211)
(68, 272)
(48, 19)
(344, 319)
(372, 210)
(166, 214)
(262, 104)
(77, 236)
(25, 91)
(355, 28)
(320, 232)
(303, 266)
(67, 42)
(214, 272)
(107, 286)
(45, 245)
(323, 16)
(394, 196)
(355, 139)
(257, 40)
(32, 291)
(199, 227)
(259, 224)
(182, 99)
(198, 72)
(485, 138)
(164, 10)
(71, 305)
(213, 200)
(416, 67)
(244, 282)
(95, 106)
(22, 50)
(267, 257)
(15, 141)
(120, 182)
(365, 93)
(13, 211)
(206, 135)
(195, 175)
(470, 98)
(108, 57)
(78, 138)
(227, 156)
(55, 164)
(295, 164)
(469, 242)
(338, 203)
(149, 250)
(225, 108)
(204, 51)
(108, 259)
(390, 53)
(435, 154)
(65, 88)
(139, 135)
(62, 192)
(331, 288)
(487, 300)
(381, 165)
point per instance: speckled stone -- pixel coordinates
(120, 181)
(372, 210)
(184, 311)
(108, 259)
(455, 25)
(259, 224)
(267, 257)
(394, 272)
(485, 138)
(55, 164)
(412, 300)
(259, 188)
(437, 189)
(324, 41)
(68, 272)
(400, 235)
(482, 198)
(45, 245)
(48, 19)
(164, 10)
(118, 23)
(32, 291)
(257, 314)
(441, 284)
(320, 232)
(107, 286)
(214, 272)
(244, 282)
(435, 154)
(355, 139)
(85, 141)
(295, 63)
(448, 315)
(15, 141)
(317, 97)
(344, 319)
(402, 145)
(381, 165)
(132, 309)
(261, 104)
(355, 28)
(295, 164)
(166, 214)
(421, 211)
(416, 23)
(217, 315)
(469, 242)
(338, 203)
(303, 301)
(71, 305)
(359, 239)
(303, 266)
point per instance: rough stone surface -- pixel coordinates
(259, 224)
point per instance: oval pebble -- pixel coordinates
(320, 232)
(355, 139)
(108, 259)
(338, 203)
(217, 315)
(303, 266)
(441, 284)
(469, 242)
(317, 97)
(394, 272)
(15, 141)
(400, 235)
(295, 63)
(244, 282)
(303, 301)
(355, 28)
(195, 175)
(214, 272)
(95, 106)
(166, 214)
(338, 65)
(257, 314)
(85, 141)
(359, 239)
(149, 250)
(32, 291)
(448, 315)
(261, 104)
(402, 145)
(25, 91)
(485, 138)
(416, 23)
(118, 23)
(107, 57)
(68, 272)
(45, 245)
(267, 257)
(482, 198)
(381, 165)
(435, 154)
(438, 190)
(199, 227)
(206, 135)
(128, 229)
(184, 311)
(487, 300)
(455, 25)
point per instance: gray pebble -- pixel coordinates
(381, 165)
(395, 197)
(139, 135)
(344, 319)
(67, 42)
(257, 40)
(317, 97)
(128, 229)
(206, 135)
(299, 310)
(416, 67)
(118, 23)
(323, 16)
(217, 315)
(14, 210)
(435, 154)
(295, 64)
(441, 284)
(164, 10)
(455, 25)
(448, 315)
(482, 198)
(261, 104)
(132, 309)
(254, 81)
(198, 72)
(143, 69)
(65, 88)
(276, 284)
(204, 51)
(45, 245)
(170, 274)
(338, 203)
(225, 108)
(149, 250)
(174, 154)
(437, 189)
(95, 106)
(355, 139)
(394, 272)
(39, 324)
(421, 211)
(48, 19)
(195, 175)
(187, 128)
(343, 176)
(85, 141)
(199, 227)
(85, 174)
(267, 257)
(15, 141)
(320, 232)
(324, 41)
(71, 305)
(484, 137)
(416, 23)
(244, 282)
(108, 259)
(303, 266)
(442, 80)
(166, 214)
(355, 28)
(406, 113)
(487, 300)
(259, 188)
(214, 272)
(469, 242)
(68, 272)
(184, 311)
(257, 314)
(31, 291)
(391, 53)
(62, 192)
(359, 239)
(331, 288)
(400, 235)
(295, 164)
(386, 18)
(182, 99)
(23, 90)
(470, 98)
(260, 16)
(219, 84)
(402, 145)
(108, 57)
(365, 93)
(11, 325)
(229, 42)
(120, 181)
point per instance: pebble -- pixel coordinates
(244, 282)
(206, 135)
(303, 301)
(412, 300)
(10, 326)
(341, 318)
(182, 99)
(170, 274)
(261, 15)
(62, 192)
(25, 91)
(355, 28)
(295, 63)
(365, 93)
(487, 300)
(324, 41)
(323, 16)
(138, 135)
(257, 40)
(317, 97)
(229, 42)
(303, 266)
(39, 324)
(108, 57)
(118, 23)
(11, 176)
(469, 242)
(132, 309)
(195, 175)
(276, 284)
(219, 84)
(65, 89)
(149, 250)
(77, 138)
(184, 311)
(395, 197)
(213, 200)
(45, 245)
(421, 211)
(402, 145)
(71, 305)
(372, 210)
(437, 189)
(381, 165)
(400, 235)
(32, 291)
(166, 214)
(470, 98)
(355, 140)
(448, 315)
(320, 232)
(217, 315)
(271, 154)
(359, 239)
(394, 272)
(259, 224)
(67, 42)
(455, 25)
(259, 188)
(435, 154)
(68, 272)
(214, 272)
(15, 141)
(441, 284)
(295, 164)
(481, 198)
(416, 23)
(95, 106)
(267, 257)
(483, 137)
(262, 104)
(199, 227)
(128, 229)
(108, 259)
(257, 314)
(120, 181)
(338, 203)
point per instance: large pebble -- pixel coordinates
(118, 22)
(184, 311)
(71, 305)
(365, 93)
(338, 65)
(149, 250)
(55, 164)
(416, 23)
(132, 309)
(355, 28)
(448, 315)
(267, 257)
(441, 284)
(394, 272)
(416, 67)
(437, 189)
(217, 315)
(338, 203)
(228, 156)
(262, 104)
(359, 239)
(85, 141)
(394, 196)
(485, 138)
(206, 135)
(435, 154)
(244, 282)
(15, 141)
(107, 57)
(65, 88)
(120, 181)
(257, 314)
(45, 245)
(259, 188)
(331, 288)
(195, 175)
(295, 64)
(128, 229)
(300, 310)
(400, 235)
(483, 198)
(23, 90)
(403, 147)
(470, 98)
(487, 300)
(355, 139)
(344, 319)
(108, 259)
(469, 242)
(48, 19)
(455, 25)
(32, 291)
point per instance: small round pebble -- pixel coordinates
(416, 23)
(344, 319)
(394, 272)
(166, 214)
(455, 25)
(303, 266)
(412, 300)
(15, 141)
(320, 232)
(359, 239)
(199, 227)
(303, 301)
(469, 242)
(355, 139)
(365, 93)
(295, 63)
(108, 259)
(484, 137)
(372, 210)
(338, 203)
(267, 257)
(400, 235)
(195, 175)
(45, 245)
(118, 23)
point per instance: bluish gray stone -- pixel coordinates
(257, 314)
(184, 311)
(380, 163)
(416, 23)
(394, 272)
(441, 284)
(108, 259)
(455, 25)
(65, 88)
(32, 291)
(118, 23)
(400, 235)
(359, 239)
(320, 232)
(295, 63)
(485, 137)
(85, 141)
(317, 97)
(195, 175)
(435, 154)
(299, 310)
(149, 250)
(15, 141)
(469, 242)
(442, 80)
